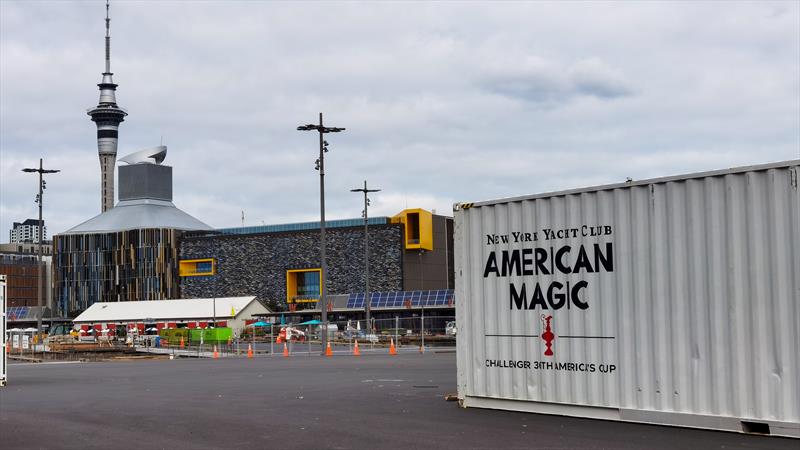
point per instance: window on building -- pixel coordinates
(413, 228)
(197, 267)
(303, 286)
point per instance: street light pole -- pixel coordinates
(367, 302)
(323, 148)
(39, 198)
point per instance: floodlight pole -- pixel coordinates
(39, 199)
(323, 303)
(367, 305)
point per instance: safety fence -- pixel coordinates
(378, 336)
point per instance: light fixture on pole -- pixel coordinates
(364, 214)
(39, 198)
(323, 148)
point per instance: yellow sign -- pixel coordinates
(302, 300)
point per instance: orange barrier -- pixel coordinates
(182, 344)
(250, 351)
(356, 351)
(392, 349)
(216, 355)
(328, 351)
(285, 350)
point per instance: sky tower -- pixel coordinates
(107, 115)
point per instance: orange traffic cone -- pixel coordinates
(249, 351)
(216, 355)
(328, 351)
(182, 342)
(356, 351)
(285, 350)
(392, 349)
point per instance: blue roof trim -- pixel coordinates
(302, 226)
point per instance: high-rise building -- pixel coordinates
(26, 232)
(107, 115)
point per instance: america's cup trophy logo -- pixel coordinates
(548, 336)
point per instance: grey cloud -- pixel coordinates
(595, 78)
(537, 81)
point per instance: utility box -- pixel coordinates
(672, 301)
(3, 333)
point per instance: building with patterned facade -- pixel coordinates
(129, 252)
(280, 264)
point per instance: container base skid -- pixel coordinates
(768, 427)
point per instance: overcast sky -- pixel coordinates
(443, 102)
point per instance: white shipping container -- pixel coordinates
(3, 335)
(673, 301)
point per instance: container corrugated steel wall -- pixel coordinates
(698, 311)
(3, 335)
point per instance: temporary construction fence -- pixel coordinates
(402, 334)
(405, 334)
(406, 328)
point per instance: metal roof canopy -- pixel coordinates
(139, 214)
(159, 310)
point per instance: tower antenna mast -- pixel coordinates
(107, 116)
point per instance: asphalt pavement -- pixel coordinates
(375, 401)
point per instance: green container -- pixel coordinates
(210, 335)
(174, 335)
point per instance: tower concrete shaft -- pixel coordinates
(107, 116)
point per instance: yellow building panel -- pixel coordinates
(418, 225)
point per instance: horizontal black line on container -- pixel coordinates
(558, 336)
(512, 335)
(585, 337)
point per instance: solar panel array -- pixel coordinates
(16, 312)
(401, 299)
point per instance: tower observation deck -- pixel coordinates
(107, 116)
